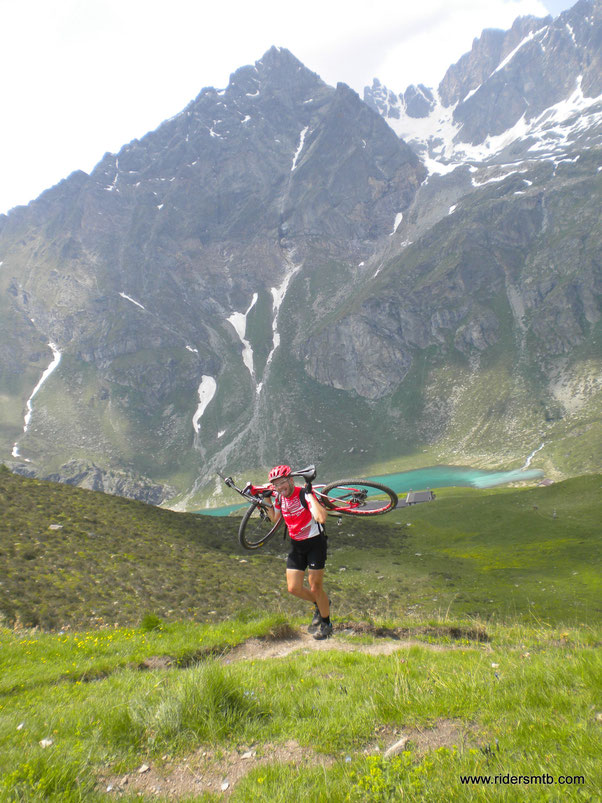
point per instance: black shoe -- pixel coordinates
(316, 621)
(325, 631)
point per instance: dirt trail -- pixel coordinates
(213, 771)
(260, 649)
(284, 641)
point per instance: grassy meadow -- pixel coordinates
(469, 627)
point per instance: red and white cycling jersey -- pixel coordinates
(301, 524)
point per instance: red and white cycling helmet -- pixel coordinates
(278, 472)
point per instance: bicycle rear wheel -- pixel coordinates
(357, 498)
(256, 527)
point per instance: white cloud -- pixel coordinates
(80, 78)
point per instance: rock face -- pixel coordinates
(274, 274)
(459, 280)
(542, 62)
(487, 54)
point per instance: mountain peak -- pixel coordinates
(276, 56)
(277, 68)
(280, 60)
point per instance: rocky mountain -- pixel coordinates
(274, 273)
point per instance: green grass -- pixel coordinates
(525, 702)
(500, 555)
(34, 659)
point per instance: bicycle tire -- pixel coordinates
(256, 528)
(370, 507)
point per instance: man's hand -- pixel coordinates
(273, 514)
(317, 511)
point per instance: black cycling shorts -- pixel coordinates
(310, 553)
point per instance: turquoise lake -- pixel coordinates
(427, 478)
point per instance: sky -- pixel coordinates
(83, 77)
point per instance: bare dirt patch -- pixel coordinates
(286, 639)
(218, 771)
(421, 740)
(444, 733)
(215, 771)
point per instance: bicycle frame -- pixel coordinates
(350, 501)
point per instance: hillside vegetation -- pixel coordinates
(71, 557)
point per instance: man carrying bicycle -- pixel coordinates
(305, 517)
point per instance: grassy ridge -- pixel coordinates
(112, 560)
(511, 554)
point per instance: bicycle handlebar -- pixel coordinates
(249, 492)
(252, 493)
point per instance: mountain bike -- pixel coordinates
(341, 498)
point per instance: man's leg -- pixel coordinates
(294, 581)
(319, 596)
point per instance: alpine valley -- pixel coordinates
(287, 272)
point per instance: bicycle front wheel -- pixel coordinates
(256, 527)
(357, 498)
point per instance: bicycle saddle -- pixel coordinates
(308, 474)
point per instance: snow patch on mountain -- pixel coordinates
(530, 36)
(206, 392)
(56, 358)
(436, 129)
(556, 129)
(129, 298)
(396, 224)
(239, 322)
(278, 294)
(300, 148)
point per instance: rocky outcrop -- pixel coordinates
(467, 287)
(487, 53)
(117, 483)
(416, 101)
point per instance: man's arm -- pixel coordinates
(317, 511)
(271, 511)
